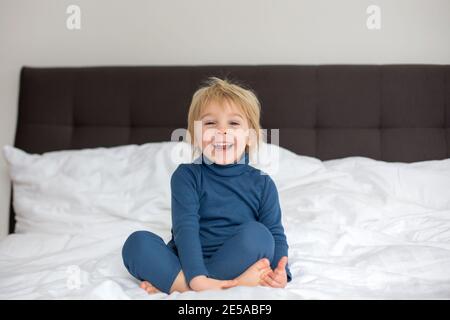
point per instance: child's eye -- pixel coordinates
(208, 123)
(235, 123)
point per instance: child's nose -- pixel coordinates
(222, 130)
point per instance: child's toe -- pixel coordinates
(263, 263)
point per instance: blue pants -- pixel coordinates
(147, 257)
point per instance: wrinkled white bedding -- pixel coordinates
(357, 228)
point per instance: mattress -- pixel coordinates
(357, 228)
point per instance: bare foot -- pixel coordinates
(147, 286)
(253, 274)
(180, 284)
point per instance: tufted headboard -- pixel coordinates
(385, 112)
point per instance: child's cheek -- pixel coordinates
(208, 134)
(241, 138)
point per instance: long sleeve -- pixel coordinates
(185, 222)
(270, 216)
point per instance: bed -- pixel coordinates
(363, 177)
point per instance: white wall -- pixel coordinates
(155, 32)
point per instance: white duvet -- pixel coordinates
(357, 228)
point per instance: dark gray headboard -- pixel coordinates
(385, 112)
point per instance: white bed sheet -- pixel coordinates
(357, 229)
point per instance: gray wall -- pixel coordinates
(156, 32)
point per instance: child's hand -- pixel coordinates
(278, 277)
(201, 283)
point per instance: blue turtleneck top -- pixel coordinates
(209, 201)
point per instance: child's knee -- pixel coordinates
(258, 239)
(258, 230)
(136, 243)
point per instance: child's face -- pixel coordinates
(225, 132)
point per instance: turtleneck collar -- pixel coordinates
(225, 170)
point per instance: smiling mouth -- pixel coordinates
(222, 146)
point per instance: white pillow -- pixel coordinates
(69, 190)
(425, 182)
(285, 167)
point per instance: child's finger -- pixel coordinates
(279, 270)
(278, 279)
(263, 263)
(271, 282)
(267, 273)
(282, 263)
(264, 283)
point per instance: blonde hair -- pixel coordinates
(218, 90)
